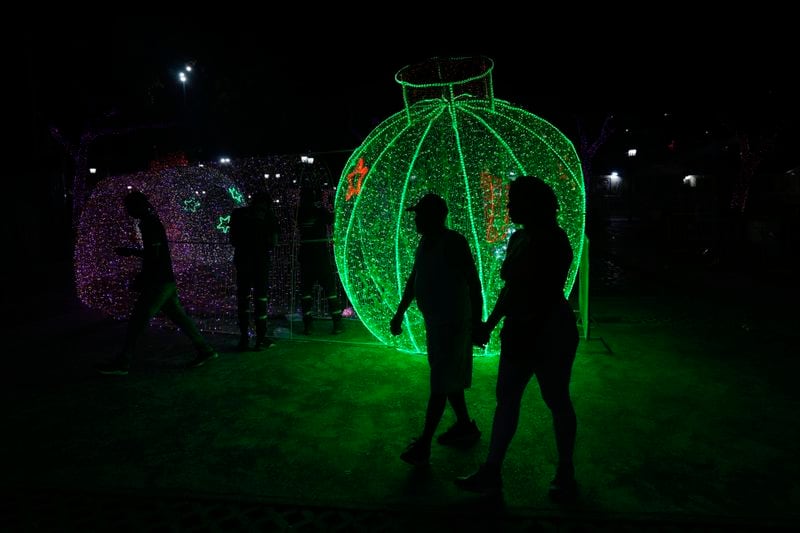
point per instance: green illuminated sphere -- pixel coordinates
(455, 139)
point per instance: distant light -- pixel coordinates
(188, 68)
(130, 187)
(277, 175)
(92, 170)
(614, 178)
(266, 176)
(224, 160)
(294, 181)
(310, 160)
(631, 152)
(182, 77)
(201, 165)
(691, 179)
(303, 159)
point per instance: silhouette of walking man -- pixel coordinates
(156, 286)
(539, 335)
(313, 220)
(253, 234)
(445, 283)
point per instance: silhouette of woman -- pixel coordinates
(539, 334)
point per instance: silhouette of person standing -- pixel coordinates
(539, 334)
(253, 234)
(445, 283)
(156, 286)
(313, 220)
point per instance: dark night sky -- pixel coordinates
(308, 81)
(261, 88)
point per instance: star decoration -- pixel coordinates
(360, 171)
(236, 195)
(224, 224)
(191, 205)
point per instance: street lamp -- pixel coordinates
(183, 78)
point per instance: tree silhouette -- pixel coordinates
(587, 148)
(79, 153)
(753, 149)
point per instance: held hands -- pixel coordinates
(396, 323)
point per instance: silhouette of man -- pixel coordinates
(444, 281)
(156, 286)
(539, 335)
(253, 234)
(313, 220)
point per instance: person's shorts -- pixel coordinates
(450, 357)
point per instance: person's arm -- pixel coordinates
(507, 272)
(473, 284)
(483, 331)
(499, 310)
(405, 302)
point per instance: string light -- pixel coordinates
(455, 139)
(194, 204)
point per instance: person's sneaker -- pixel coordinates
(563, 490)
(201, 359)
(486, 480)
(417, 453)
(460, 434)
(263, 344)
(115, 367)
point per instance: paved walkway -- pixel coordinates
(689, 423)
